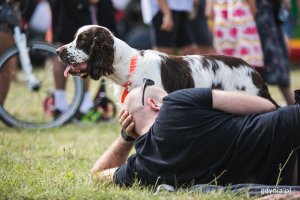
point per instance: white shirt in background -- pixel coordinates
(41, 17)
(151, 7)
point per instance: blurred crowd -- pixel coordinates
(255, 30)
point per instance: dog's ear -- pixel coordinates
(101, 56)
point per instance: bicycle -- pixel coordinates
(23, 107)
(104, 108)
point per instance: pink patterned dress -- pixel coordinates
(235, 32)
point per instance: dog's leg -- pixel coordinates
(263, 88)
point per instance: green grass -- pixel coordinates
(55, 163)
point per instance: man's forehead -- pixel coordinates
(132, 97)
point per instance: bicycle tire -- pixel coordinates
(20, 121)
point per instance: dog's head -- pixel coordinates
(90, 53)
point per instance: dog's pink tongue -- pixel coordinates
(66, 72)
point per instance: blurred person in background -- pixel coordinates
(132, 29)
(6, 42)
(277, 71)
(289, 25)
(68, 16)
(235, 31)
(138, 35)
(289, 16)
(199, 25)
(169, 25)
(37, 18)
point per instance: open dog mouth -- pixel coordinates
(76, 70)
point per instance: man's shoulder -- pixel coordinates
(190, 91)
(191, 95)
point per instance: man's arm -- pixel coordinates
(117, 153)
(209, 9)
(240, 103)
(113, 157)
(167, 21)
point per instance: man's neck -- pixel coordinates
(146, 129)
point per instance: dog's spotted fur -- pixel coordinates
(106, 55)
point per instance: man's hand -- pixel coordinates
(116, 155)
(127, 124)
(167, 23)
(167, 20)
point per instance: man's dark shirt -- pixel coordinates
(191, 143)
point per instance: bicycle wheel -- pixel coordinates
(24, 108)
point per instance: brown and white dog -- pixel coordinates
(96, 52)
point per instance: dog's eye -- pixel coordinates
(81, 37)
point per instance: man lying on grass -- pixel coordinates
(199, 135)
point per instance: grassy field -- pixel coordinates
(55, 163)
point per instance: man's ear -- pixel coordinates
(154, 104)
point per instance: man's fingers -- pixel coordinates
(127, 121)
(130, 128)
(165, 27)
(123, 117)
(121, 112)
(167, 23)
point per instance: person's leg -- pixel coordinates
(297, 96)
(164, 41)
(284, 80)
(5, 78)
(61, 103)
(287, 94)
(185, 38)
(275, 53)
(201, 31)
(6, 40)
(58, 70)
(87, 103)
